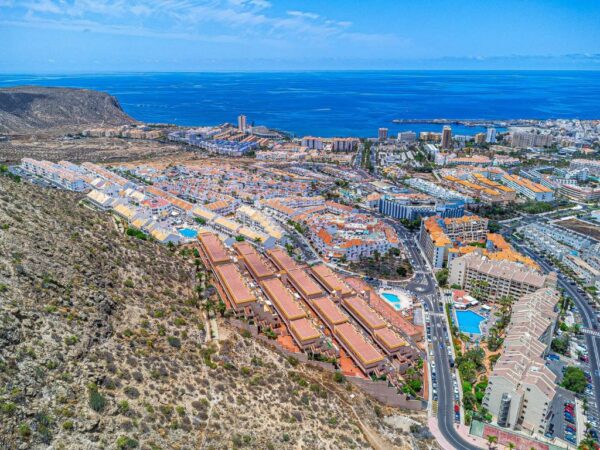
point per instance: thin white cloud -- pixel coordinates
(241, 18)
(307, 15)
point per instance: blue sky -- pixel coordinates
(187, 35)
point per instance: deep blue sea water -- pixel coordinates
(342, 103)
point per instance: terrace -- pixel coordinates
(330, 281)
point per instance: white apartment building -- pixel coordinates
(496, 278)
(521, 388)
(56, 173)
(528, 188)
(311, 142)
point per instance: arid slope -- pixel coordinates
(102, 345)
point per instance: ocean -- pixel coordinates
(342, 103)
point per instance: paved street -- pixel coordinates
(424, 287)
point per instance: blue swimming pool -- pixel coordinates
(469, 322)
(188, 233)
(393, 300)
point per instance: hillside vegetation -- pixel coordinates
(103, 345)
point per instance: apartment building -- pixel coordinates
(496, 278)
(415, 206)
(583, 194)
(482, 188)
(521, 387)
(523, 139)
(437, 191)
(257, 219)
(588, 274)
(313, 143)
(528, 188)
(56, 173)
(344, 144)
(438, 236)
(592, 165)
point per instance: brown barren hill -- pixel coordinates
(103, 345)
(33, 109)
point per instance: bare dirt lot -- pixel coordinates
(589, 229)
(100, 150)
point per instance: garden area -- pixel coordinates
(391, 266)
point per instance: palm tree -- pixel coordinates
(491, 440)
(510, 445)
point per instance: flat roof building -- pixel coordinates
(495, 279)
(285, 304)
(363, 313)
(521, 387)
(360, 350)
(330, 281)
(256, 264)
(329, 312)
(237, 291)
(213, 248)
(304, 332)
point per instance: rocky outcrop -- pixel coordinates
(33, 109)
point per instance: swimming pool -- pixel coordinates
(188, 233)
(393, 300)
(469, 322)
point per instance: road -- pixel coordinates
(423, 285)
(588, 317)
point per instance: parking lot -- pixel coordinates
(557, 423)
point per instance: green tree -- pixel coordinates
(574, 379)
(491, 440)
(560, 345)
(442, 277)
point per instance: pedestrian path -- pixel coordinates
(591, 332)
(434, 408)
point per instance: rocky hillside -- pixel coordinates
(31, 109)
(103, 345)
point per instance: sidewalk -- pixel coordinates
(441, 440)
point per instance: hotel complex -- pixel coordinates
(496, 278)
